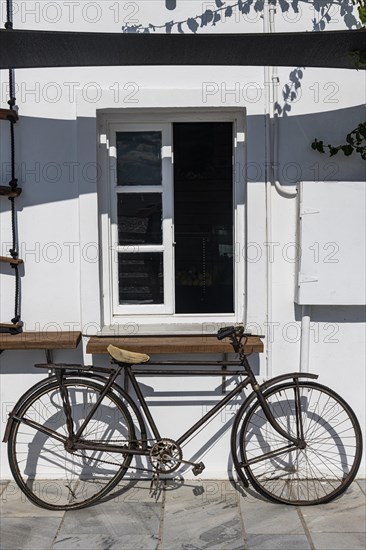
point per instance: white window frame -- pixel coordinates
(155, 316)
(167, 225)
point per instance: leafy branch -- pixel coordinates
(361, 7)
(356, 141)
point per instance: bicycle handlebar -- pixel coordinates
(225, 332)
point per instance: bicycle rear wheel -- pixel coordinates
(46, 472)
(324, 468)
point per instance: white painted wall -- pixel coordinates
(58, 213)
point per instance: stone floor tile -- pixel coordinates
(113, 520)
(200, 515)
(13, 503)
(339, 541)
(204, 490)
(262, 517)
(346, 514)
(28, 533)
(3, 485)
(274, 542)
(101, 542)
(362, 484)
(134, 491)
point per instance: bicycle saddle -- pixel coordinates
(125, 356)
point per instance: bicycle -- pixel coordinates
(72, 437)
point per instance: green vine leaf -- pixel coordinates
(361, 7)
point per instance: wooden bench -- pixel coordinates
(170, 344)
(40, 340)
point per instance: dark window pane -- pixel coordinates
(139, 158)
(203, 218)
(140, 278)
(139, 218)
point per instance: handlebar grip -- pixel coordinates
(225, 332)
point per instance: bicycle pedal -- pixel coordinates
(198, 468)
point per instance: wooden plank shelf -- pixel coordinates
(12, 328)
(40, 340)
(7, 191)
(8, 114)
(10, 260)
(170, 344)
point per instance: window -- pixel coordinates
(173, 218)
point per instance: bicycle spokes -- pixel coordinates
(314, 471)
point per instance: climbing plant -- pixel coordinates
(361, 7)
(355, 141)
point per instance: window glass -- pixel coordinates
(203, 217)
(138, 158)
(139, 218)
(141, 278)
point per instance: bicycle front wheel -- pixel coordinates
(315, 474)
(49, 474)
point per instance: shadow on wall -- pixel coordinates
(50, 170)
(210, 17)
(334, 314)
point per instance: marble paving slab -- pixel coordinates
(28, 533)
(339, 541)
(280, 542)
(133, 518)
(13, 503)
(346, 514)
(362, 484)
(3, 485)
(264, 517)
(134, 491)
(202, 515)
(102, 542)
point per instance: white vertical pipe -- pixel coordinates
(272, 141)
(305, 338)
(268, 157)
(268, 260)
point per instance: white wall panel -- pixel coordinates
(332, 243)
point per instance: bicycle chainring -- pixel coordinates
(166, 456)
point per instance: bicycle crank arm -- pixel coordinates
(197, 469)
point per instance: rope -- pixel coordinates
(14, 251)
(9, 14)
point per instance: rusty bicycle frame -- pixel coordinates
(303, 482)
(74, 441)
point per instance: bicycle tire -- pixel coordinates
(321, 471)
(45, 471)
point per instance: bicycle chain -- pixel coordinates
(117, 463)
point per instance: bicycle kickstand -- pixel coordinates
(154, 485)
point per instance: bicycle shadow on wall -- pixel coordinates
(61, 475)
(177, 399)
(54, 471)
(321, 423)
(226, 416)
